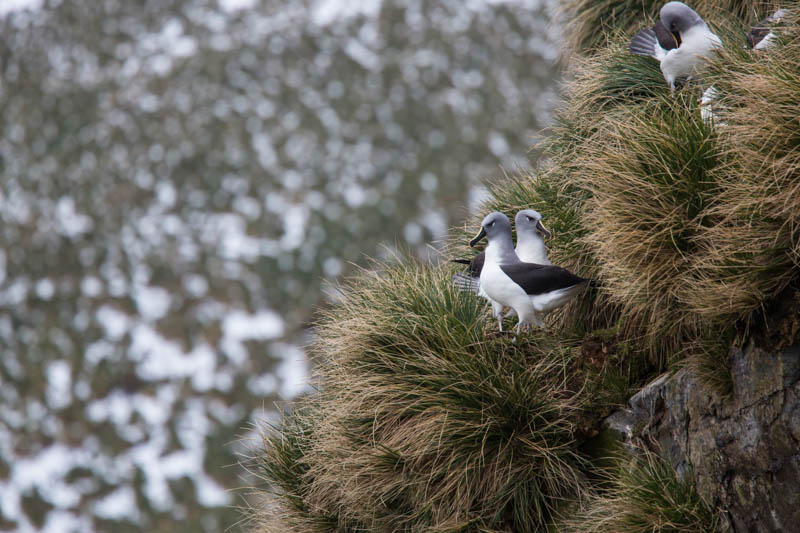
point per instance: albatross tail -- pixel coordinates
(644, 43)
(465, 282)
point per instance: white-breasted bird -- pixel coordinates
(530, 248)
(680, 40)
(760, 37)
(531, 290)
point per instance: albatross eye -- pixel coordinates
(529, 218)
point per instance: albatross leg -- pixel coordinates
(519, 328)
(497, 311)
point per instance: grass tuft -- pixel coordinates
(751, 254)
(284, 468)
(433, 420)
(651, 183)
(645, 495)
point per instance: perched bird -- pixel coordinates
(761, 36)
(680, 40)
(530, 248)
(531, 290)
(531, 234)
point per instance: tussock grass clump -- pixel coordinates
(751, 255)
(645, 495)
(650, 174)
(587, 22)
(598, 85)
(284, 467)
(433, 421)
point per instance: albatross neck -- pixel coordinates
(501, 250)
(531, 248)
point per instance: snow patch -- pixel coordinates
(325, 12)
(9, 6)
(59, 384)
(118, 505)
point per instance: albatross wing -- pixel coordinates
(541, 279)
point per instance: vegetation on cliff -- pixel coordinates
(427, 418)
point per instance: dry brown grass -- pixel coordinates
(751, 255)
(646, 495)
(649, 175)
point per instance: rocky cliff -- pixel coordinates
(744, 449)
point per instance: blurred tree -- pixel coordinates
(176, 178)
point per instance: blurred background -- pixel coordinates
(178, 179)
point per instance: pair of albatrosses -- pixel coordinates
(530, 249)
(530, 289)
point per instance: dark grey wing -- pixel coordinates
(474, 265)
(644, 43)
(666, 39)
(761, 30)
(540, 279)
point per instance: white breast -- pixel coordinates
(502, 289)
(696, 46)
(533, 251)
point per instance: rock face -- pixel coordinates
(744, 450)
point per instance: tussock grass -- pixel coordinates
(434, 421)
(646, 495)
(588, 22)
(284, 467)
(651, 183)
(751, 255)
(708, 359)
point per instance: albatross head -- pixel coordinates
(494, 225)
(530, 221)
(678, 18)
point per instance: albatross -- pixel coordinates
(530, 248)
(531, 290)
(680, 40)
(761, 37)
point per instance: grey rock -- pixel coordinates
(744, 450)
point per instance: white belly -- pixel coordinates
(688, 59)
(500, 288)
(551, 300)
